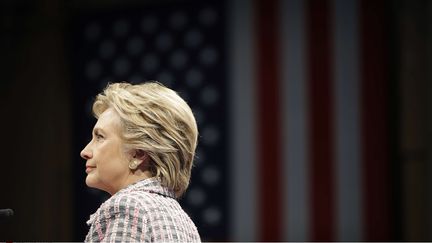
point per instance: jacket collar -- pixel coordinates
(151, 185)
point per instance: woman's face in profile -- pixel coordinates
(106, 162)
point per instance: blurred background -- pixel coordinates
(315, 116)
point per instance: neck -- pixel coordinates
(132, 178)
(138, 175)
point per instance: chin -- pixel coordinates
(90, 182)
(95, 183)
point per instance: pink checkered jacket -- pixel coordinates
(144, 211)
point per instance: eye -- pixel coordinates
(99, 136)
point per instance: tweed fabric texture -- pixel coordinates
(145, 211)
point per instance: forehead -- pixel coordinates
(109, 120)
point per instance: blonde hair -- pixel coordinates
(155, 119)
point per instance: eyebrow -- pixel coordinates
(97, 129)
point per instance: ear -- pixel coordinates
(140, 155)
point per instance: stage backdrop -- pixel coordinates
(181, 46)
(292, 100)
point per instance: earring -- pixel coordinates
(133, 165)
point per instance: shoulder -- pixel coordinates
(121, 218)
(146, 215)
(123, 204)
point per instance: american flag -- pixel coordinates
(292, 103)
(182, 46)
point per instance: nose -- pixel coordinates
(86, 153)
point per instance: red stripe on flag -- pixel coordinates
(375, 119)
(269, 153)
(321, 119)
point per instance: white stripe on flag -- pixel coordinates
(295, 121)
(347, 121)
(243, 128)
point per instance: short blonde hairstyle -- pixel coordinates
(155, 119)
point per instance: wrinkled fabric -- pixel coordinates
(142, 212)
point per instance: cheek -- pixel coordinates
(111, 164)
(109, 155)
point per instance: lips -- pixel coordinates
(89, 168)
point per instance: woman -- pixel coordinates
(141, 153)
